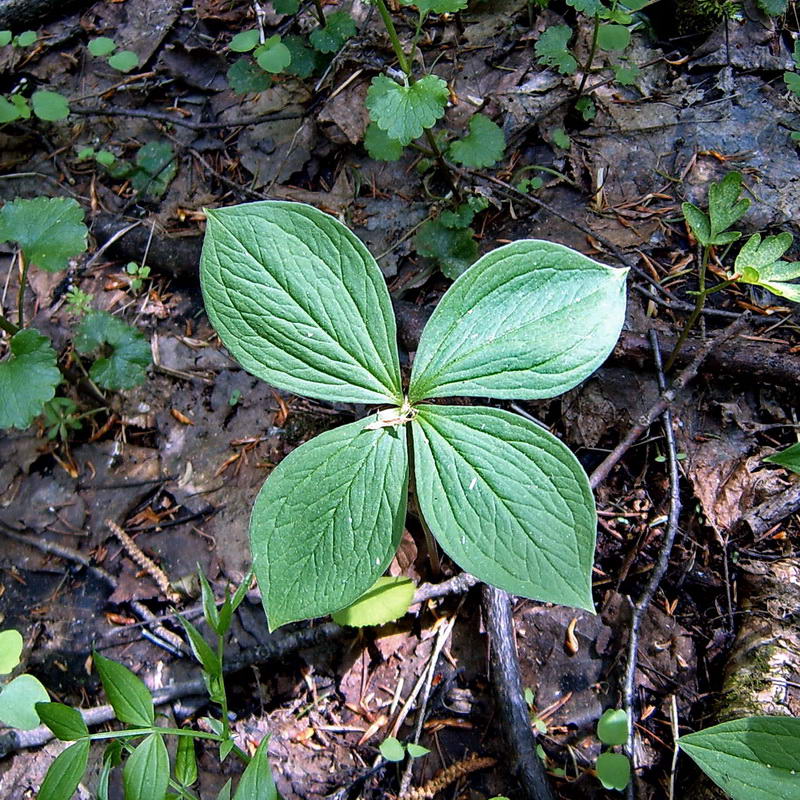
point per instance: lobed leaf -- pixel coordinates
(328, 520)
(507, 501)
(724, 205)
(552, 49)
(28, 378)
(755, 758)
(453, 249)
(49, 230)
(404, 112)
(529, 320)
(155, 169)
(299, 301)
(483, 146)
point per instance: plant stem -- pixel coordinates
(402, 60)
(699, 302)
(8, 326)
(320, 13)
(590, 58)
(23, 279)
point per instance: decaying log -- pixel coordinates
(18, 15)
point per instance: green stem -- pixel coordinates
(21, 294)
(131, 732)
(699, 303)
(402, 60)
(590, 59)
(8, 326)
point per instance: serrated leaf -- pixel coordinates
(613, 37)
(507, 501)
(126, 363)
(145, 775)
(392, 749)
(256, 782)
(245, 41)
(612, 727)
(529, 320)
(755, 758)
(482, 147)
(10, 649)
(300, 302)
(328, 520)
(155, 169)
(185, 761)
(28, 379)
(49, 230)
(792, 81)
(273, 56)
(387, 600)
(18, 702)
(339, 27)
(613, 770)
(452, 249)
(126, 692)
(65, 772)
(66, 723)
(553, 51)
(124, 61)
(788, 458)
(244, 76)
(101, 46)
(304, 58)
(404, 112)
(380, 146)
(724, 205)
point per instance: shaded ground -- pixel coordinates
(178, 461)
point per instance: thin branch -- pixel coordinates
(665, 400)
(659, 569)
(507, 684)
(158, 116)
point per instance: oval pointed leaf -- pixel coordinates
(65, 773)
(66, 723)
(755, 758)
(145, 775)
(300, 302)
(126, 692)
(256, 782)
(529, 320)
(507, 501)
(329, 519)
(18, 702)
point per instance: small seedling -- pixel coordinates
(613, 769)
(138, 274)
(301, 303)
(393, 749)
(121, 60)
(103, 157)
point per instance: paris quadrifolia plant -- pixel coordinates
(302, 304)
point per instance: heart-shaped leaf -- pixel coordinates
(300, 302)
(528, 320)
(329, 519)
(507, 501)
(755, 758)
(18, 702)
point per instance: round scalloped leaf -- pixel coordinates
(384, 602)
(244, 77)
(328, 520)
(613, 37)
(483, 146)
(28, 379)
(50, 106)
(612, 727)
(273, 56)
(124, 61)
(18, 702)
(339, 27)
(102, 46)
(49, 230)
(244, 42)
(507, 501)
(379, 146)
(10, 650)
(529, 320)
(404, 112)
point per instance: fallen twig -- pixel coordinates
(660, 567)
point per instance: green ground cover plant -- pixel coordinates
(301, 303)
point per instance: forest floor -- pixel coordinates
(177, 461)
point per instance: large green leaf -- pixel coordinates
(756, 758)
(145, 775)
(18, 702)
(126, 692)
(65, 772)
(300, 302)
(531, 319)
(328, 520)
(507, 501)
(28, 379)
(49, 230)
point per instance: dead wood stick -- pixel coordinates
(659, 569)
(772, 512)
(665, 400)
(507, 684)
(21, 14)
